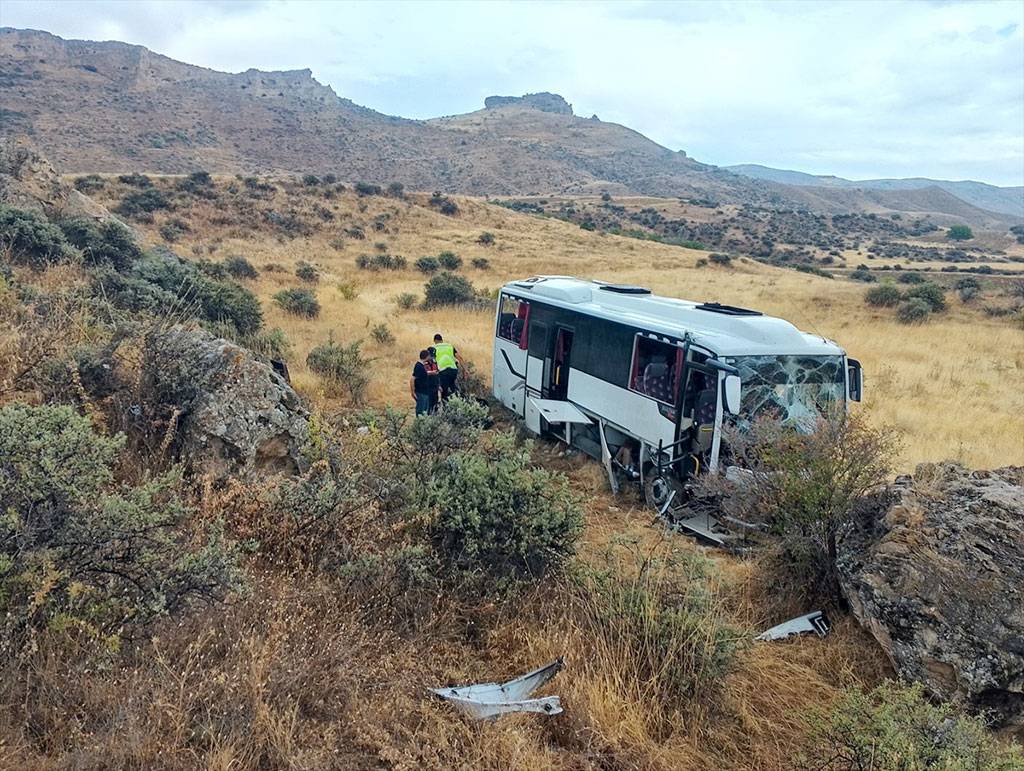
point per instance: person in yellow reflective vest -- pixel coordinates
(448, 361)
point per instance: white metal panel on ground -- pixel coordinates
(555, 411)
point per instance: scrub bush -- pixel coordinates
(913, 311)
(240, 268)
(481, 263)
(492, 513)
(486, 238)
(896, 726)
(108, 242)
(382, 334)
(135, 180)
(884, 295)
(31, 239)
(406, 301)
(443, 204)
(145, 201)
(80, 554)
(306, 272)
(448, 289)
(911, 278)
(343, 366)
(863, 273)
(90, 183)
(298, 302)
(172, 230)
(959, 233)
(449, 260)
(365, 188)
(396, 190)
(427, 265)
(310, 180)
(931, 293)
(720, 259)
(348, 290)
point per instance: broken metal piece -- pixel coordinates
(488, 700)
(815, 622)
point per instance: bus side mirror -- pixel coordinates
(855, 374)
(731, 394)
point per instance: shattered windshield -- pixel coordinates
(798, 390)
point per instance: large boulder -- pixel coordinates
(934, 569)
(230, 413)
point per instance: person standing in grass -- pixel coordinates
(419, 384)
(433, 377)
(448, 361)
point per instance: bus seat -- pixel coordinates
(704, 418)
(505, 325)
(655, 381)
(516, 330)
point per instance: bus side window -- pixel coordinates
(512, 320)
(655, 369)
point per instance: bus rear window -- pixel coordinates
(512, 317)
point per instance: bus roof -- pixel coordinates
(726, 330)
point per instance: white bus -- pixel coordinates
(644, 382)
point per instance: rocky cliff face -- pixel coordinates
(935, 570)
(543, 101)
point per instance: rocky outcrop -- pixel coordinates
(229, 413)
(544, 101)
(934, 569)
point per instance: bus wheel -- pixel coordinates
(658, 490)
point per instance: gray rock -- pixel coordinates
(235, 414)
(934, 569)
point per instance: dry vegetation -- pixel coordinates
(308, 671)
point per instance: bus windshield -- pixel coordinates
(797, 390)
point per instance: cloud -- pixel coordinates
(859, 89)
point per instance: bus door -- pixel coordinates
(558, 370)
(698, 405)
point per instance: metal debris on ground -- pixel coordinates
(488, 700)
(815, 623)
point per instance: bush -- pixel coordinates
(172, 230)
(298, 302)
(31, 239)
(90, 183)
(863, 273)
(104, 243)
(145, 201)
(365, 188)
(344, 366)
(720, 259)
(933, 294)
(959, 233)
(804, 486)
(884, 295)
(79, 553)
(449, 260)
(306, 272)
(396, 190)
(448, 289)
(406, 301)
(913, 311)
(897, 727)
(239, 267)
(443, 204)
(348, 290)
(427, 265)
(310, 180)
(494, 513)
(382, 334)
(381, 262)
(481, 263)
(486, 239)
(911, 278)
(135, 180)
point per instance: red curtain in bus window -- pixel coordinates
(524, 314)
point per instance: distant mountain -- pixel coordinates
(1005, 200)
(113, 107)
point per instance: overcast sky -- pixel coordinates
(861, 89)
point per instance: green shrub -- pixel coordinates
(90, 183)
(959, 233)
(913, 311)
(341, 365)
(911, 278)
(382, 334)
(448, 289)
(396, 190)
(31, 239)
(443, 204)
(449, 260)
(381, 262)
(81, 554)
(481, 263)
(348, 290)
(931, 293)
(198, 183)
(299, 302)
(310, 180)
(863, 273)
(897, 727)
(720, 259)
(306, 272)
(486, 238)
(239, 267)
(366, 188)
(109, 242)
(135, 180)
(145, 201)
(427, 265)
(406, 301)
(884, 295)
(493, 513)
(172, 230)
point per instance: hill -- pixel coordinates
(135, 110)
(1005, 200)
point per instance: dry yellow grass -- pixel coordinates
(951, 387)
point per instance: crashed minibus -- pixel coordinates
(645, 383)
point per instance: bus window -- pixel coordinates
(512, 320)
(655, 370)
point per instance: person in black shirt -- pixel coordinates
(433, 378)
(419, 384)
